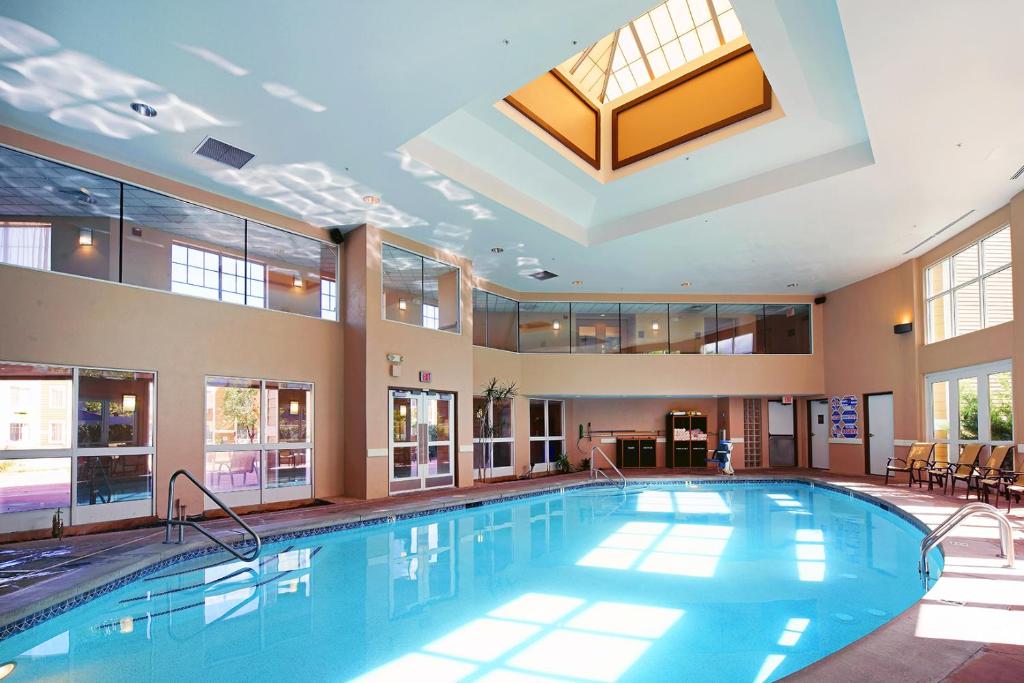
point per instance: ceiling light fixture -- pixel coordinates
(791, 285)
(143, 109)
(686, 284)
(577, 283)
(371, 199)
(496, 250)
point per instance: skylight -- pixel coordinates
(657, 42)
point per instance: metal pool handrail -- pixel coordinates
(595, 470)
(947, 525)
(184, 522)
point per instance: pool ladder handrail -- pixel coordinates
(938, 533)
(595, 470)
(182, 521)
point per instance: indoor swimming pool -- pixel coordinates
(717, 582)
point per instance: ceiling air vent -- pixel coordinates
(212, 148)
(1018, 174)
(938, 232)
(543, 275)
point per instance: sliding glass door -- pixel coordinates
(421, 442)
(969, 405)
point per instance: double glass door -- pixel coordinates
(421, 446)
(969, 405)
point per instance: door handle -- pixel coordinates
(870, 435)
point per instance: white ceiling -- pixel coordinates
(888, 137)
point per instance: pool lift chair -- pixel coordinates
(723, 456)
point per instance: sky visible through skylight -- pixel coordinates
(659, 41)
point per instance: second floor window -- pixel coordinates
(210, 275)
(971, 289)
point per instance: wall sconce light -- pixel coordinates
(297, 281)
(903, 328)
(655, 327)
(85, 237)
(556, 325)
(128, 403)
(293, 407)
(402, 410)
(401, 304)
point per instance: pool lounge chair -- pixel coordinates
(1011, 482)
(993, 474)
(918, 460)
(938, 472)
(966, 468)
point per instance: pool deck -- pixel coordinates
(968, 627)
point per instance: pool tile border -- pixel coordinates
(25, 623)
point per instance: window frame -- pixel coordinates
(119, 279)
(547, 437)
(710, 346)
(510, 439)
(263, 494)
(953, 376)
(952, 288)
(383, 297)
(85, 514)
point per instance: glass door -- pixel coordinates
(969, 405)
(422, 440)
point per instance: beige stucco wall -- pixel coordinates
(54, 318)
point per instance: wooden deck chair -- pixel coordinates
(993, 474)
(966, 468)
(918, 460)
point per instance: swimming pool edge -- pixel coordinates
(25, 618)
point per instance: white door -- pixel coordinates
(880, 436)
(819, 434)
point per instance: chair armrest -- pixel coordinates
(895, 459)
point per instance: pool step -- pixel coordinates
(126, 623)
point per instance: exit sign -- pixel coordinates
(425, 376)
(787, 400)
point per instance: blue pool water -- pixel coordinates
(713, 583)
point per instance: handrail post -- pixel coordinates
(184, 521)
(597, 449)
(935, 536)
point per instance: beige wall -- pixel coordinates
(446, 355)
(863, 355)
(56, 318)
(52, 318)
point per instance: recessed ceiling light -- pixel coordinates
(686, 284)
(371, 199)
(577, 283)
(143, 109)
(496, 250)
(793, 284)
